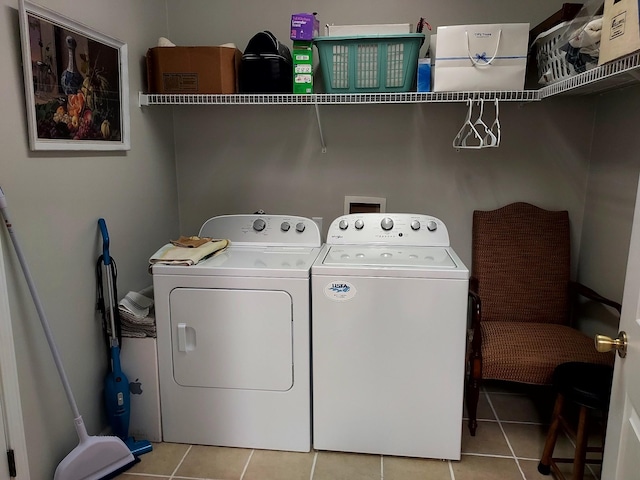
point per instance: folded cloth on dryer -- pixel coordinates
(191, 242)
(172, 255)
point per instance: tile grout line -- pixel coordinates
(453, 475)
(515, 458)
(180, 462)
(246, 465)
(313, 465)
(381, 467)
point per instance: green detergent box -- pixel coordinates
(302, 54)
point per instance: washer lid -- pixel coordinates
(249, 262)
(379, 260)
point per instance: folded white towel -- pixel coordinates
(136, 304)
(172, 255)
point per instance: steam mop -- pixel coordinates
(116, 387)
(94, 457)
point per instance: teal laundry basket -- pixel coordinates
(369, 63)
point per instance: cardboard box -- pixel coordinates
(304, 26)
(357, 30)
(193, 69)
(302, 55)
(620, 30)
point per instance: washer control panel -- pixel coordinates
(263, 230)
(388, 229)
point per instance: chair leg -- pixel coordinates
(473, 394)
(581, 444)
(544, 467)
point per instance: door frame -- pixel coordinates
(10, 389)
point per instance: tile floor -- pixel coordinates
(507, 446)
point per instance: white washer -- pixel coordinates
(233, 336)
(389, 321)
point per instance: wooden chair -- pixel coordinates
(521, 297)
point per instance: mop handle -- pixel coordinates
(110, 290)
(39, 308)
(105, 241)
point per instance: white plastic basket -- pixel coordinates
(551, 56)
(551, 61)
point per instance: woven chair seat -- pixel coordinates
(529, 352)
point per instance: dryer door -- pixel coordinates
(238, 339)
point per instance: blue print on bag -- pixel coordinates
(482, 56)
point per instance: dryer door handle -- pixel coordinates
(186, 338)
(182, 337)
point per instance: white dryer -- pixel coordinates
(389, 321)
(234, 336)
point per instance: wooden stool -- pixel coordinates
(588, 386)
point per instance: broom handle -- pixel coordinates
(38, 304)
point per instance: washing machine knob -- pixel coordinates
(432, 226)
(285, 226)
(343, 225)
(415, 225)
(259, 225)
(386, 223)
(300, 227)
(359, 224)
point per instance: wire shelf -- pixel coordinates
(621, 72)
(616, 74)
(146, 99)
(612, 75)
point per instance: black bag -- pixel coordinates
(266, 66)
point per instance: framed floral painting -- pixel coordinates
(76, 84)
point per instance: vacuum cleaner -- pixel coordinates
(95, 457)
(116, 385)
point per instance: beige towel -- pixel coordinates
(172, 255)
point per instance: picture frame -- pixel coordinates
(76, 83)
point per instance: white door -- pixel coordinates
(12, 434)
(4, 465)
(622, 448)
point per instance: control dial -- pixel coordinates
(432, 226)
(300, 227)
(285, 226)
(415, 225)
(386, 223)
(343, 225)
(259, 225)
(359, 224)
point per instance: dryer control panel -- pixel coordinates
(264, 230)
(388, 229)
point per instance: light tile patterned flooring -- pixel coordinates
(508, 444)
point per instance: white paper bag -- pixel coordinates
(620, 30)
(481, 57)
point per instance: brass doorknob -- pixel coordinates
(606, 344)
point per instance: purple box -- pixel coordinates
(304, 26)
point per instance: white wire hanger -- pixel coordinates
(477, 134)
(468, 132)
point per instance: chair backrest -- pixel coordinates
(521, 259)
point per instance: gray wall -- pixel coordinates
(190, 163)
(610, 201)
(55, 200)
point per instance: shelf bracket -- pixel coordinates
(143, 100)
(324, 146)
